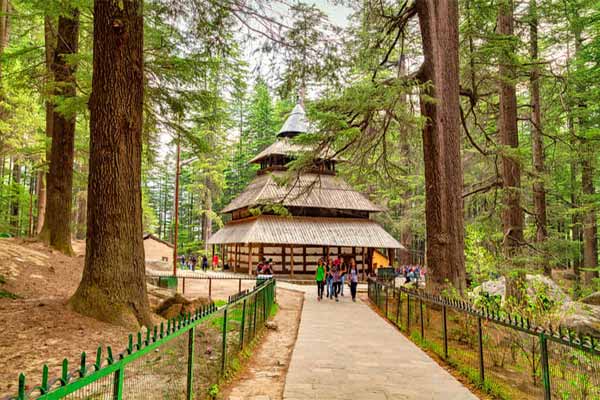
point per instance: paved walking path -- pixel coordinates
(346, 351)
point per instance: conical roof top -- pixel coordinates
(296, 123)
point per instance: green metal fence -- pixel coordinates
(506, 355)
(184, 358)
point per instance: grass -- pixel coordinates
(5, 294)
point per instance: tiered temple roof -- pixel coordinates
(324, 210)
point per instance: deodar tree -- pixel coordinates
(113, 285)
(438, 20)
(57, 223)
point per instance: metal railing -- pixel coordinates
(185, 358)
(199, 276)
(506, 355)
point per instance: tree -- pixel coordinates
(113, 286)
(57, 224)
(49, 46)
(539, 191)
(512, 213)
(441, 145)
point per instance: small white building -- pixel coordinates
(157, 249)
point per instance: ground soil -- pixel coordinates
(37, 327)
(263, 375)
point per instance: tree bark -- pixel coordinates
(14, 205)
(113, 286)
(441, 145)
(49, 46)
(512, 213)
(81, 214)
(587, 153)
(206, 220)
(539, 191)
(590, 225)
(575, 217)
(57, 225)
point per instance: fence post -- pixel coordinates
(480, 340)
(386, 302)
(545, 366)
(445, 328)
(224, 348)
(421, 317)
(398, 296)
(210, 288)
(118, 384)
(254, 316)
(243, 323)
(183, 289)
(190, 370)
(408, 313)
(264, 304)
(239, 285)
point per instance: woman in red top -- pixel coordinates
(215, 261)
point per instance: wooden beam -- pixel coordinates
(292, 260)
(235, 257)
(363, 263)
(250, 259)
(304, 259)
(282, 258)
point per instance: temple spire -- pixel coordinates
(295, 123)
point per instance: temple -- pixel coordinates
(324, 216)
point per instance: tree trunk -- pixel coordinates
(441, 145)
(539, 191)
(14, 205)
(590, 226)
(41, 202)
(206, 220)
(113, 286)
(575, 217)
(81, 214)
(49, 45)
(512, 213)
(57, 226)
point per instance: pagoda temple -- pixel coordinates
(325, 216)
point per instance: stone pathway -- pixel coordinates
(346, 351)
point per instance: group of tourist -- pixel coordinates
(332, 275)
(265, 267)
(412, 273)
(191, 261)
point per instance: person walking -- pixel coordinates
(328, 280)
(204, 263)
(336, 281)
(320, 279)
(215, 261)
(343, 271)
(353, 274)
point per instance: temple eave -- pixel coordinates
(306, 231)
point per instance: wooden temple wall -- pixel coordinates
(305, 258)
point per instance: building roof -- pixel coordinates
(295, 123)
(281, 147)
(285, 147)
(152, 236)
(271, 229)
(307, 190)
